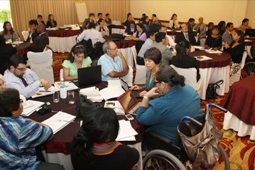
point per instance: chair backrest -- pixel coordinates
(245, 54)
(41, 64)
(25, 35)
(190, 75)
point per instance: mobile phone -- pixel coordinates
(129, 117)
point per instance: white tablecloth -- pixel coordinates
(212, 75)
(62, 44)
(243, 129)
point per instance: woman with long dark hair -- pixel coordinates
(94, 147)
(76, 59)
(8, 32)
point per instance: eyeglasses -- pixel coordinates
(21, 69)
(157, 82)
(113, 48)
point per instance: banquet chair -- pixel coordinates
(41, 64)
(237, 76)
(190, 75)
(140, 74)
(25, 35)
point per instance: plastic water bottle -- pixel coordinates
(63, 90)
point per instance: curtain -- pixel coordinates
(63, 10)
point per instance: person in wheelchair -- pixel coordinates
(172, 100)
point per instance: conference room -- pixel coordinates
(107, 84)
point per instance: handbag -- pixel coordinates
(200, 139)
(211, 89)
(85, 106)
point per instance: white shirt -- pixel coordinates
(92, 34)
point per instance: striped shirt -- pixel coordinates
(18, 138)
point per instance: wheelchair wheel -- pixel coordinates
(249, 68)
(161, 160)
(225, 157)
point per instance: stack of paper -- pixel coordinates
(59, 121)
(126, 131)
(203, 58)
(42, 92)
(92, 93)
(30, 106)
(116, 106)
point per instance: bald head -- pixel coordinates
(110, 48)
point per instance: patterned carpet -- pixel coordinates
(240, 150)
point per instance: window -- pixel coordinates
(5, 13)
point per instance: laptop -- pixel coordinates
(129, 102)
(125, 86)
(89, 76)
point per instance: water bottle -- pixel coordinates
(63, 90)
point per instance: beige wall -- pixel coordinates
(211, 10)
(250, 12)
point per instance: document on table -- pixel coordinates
(213, 51)
(68, 85)
(116, 106)
(30, 106)
(42, 92)
(113, 90)
(202, 58)
(126, 131)
(92, 93)
(59, 121)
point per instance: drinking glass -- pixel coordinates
(70, 95)
(56, 97)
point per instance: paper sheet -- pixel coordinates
(92, 93)
(203, 58)
(68, 85)
(213, 51)
(30, 106)
(126, 131)
(113, 86)
(59, 121)
(116, 106)
(42, 92)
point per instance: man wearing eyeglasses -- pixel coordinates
(23, 79)
(113, 63)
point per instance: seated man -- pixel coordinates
(23, 79)
(185, 35)
(113, 63)
(161, 44)
(40, 41)
(91, 33)
(32, 30)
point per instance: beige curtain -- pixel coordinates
(63, 10)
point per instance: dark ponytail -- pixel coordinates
(181, 48)
(168, 75)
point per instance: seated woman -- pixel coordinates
(152, 59)
(95, 148)
(131, 28)
(19, 136)
(214, 41)
(140, 34)
(51, 22)
(236, 49)
(183, 59)
(8, 32)
(173, 23)
(101, 27)
(77, 59)
(172, 100)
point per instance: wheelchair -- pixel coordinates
(159, 159)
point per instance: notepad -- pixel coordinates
(59, 121)
(203, 58)
(126, 131)
(30, 107)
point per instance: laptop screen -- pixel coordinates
(89, 76)
(127, 101)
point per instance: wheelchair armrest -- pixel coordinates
(164, 139)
